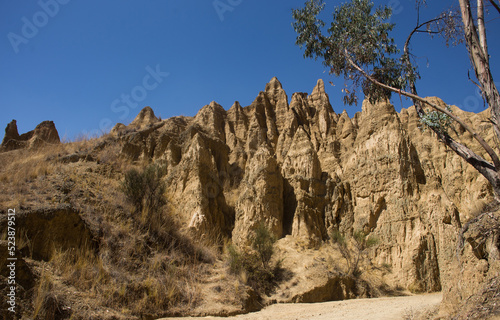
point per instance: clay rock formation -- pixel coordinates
(11, 132)
(261, 202)
(304, 170)
(45, 132)
(144, 119)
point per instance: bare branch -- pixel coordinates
(474, 82)
(478, 138)
(428, 32)
(416, 29)
(495, 5)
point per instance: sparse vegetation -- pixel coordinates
(235, 259)
(145, 191)
(254, 266)
(353, 248)
(46, 305)
(263, 244)
(143, 263)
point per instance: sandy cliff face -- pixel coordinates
(303, 170)
(294, 165)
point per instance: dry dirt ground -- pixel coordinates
(388, 308)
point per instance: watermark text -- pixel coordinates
(11, 260)
(31, 27)
(223, 6)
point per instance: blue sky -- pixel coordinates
(87, 65)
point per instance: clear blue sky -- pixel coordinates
(77, 61)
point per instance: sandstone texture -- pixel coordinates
(304, 170)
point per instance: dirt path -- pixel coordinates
(358, 309)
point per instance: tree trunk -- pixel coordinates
(482, 30)
(480, 62)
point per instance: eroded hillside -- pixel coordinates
(300, 169)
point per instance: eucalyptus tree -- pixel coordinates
(359, 47)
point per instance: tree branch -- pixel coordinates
(428, 32)
(474, 82)
(495, 5)
(416, 29)
(478, 138)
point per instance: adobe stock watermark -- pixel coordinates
(131, 100)
(396, 7)
(475, 103)
(11, 260)
(30, 27)
(223, 6)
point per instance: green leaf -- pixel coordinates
(360, 32)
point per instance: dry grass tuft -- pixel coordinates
(46, 304)
(81, 268)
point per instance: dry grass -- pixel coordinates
(134, 272)
(18, 176)
(81, 268)
(141, 285)
(41, 293)
(46, 304)
(141, 267)
(24, 165)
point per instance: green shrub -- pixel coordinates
(263, 244)
(255, 264)
(261, 279)
(371, 241)
(337, 237)
(154, 188)
(235, 259)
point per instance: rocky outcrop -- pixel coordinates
(304, 170)
(261, 201)
(473, 290)
(45, 132)
(144, 119)
(11, 132)
(293, 165)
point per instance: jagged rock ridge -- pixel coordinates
(45, 132)
(303, 170)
